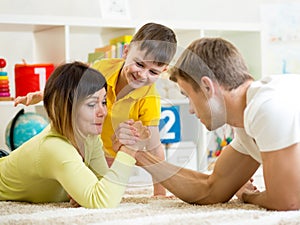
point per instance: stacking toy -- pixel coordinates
(4, 82)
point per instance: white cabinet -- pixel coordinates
(56, 40)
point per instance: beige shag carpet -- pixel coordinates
(138, 207)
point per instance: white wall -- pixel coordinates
(84, 8)
(200, 10)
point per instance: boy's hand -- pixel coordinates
(124, 135)
(143, 131)
(30, 99)
(143, 138)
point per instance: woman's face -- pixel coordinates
(91, 113)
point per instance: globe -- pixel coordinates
(23, 127)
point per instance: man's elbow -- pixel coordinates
(211, 199)
(289, 205)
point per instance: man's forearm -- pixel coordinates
(257, 198)
(190, 186)
(262, 199)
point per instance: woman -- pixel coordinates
(66, 161)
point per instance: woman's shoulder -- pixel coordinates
(53, 141)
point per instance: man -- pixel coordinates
(265, 115)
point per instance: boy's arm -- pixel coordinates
(30, 99)
(129, 133)
(157, 150)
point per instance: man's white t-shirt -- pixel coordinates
(271, 117)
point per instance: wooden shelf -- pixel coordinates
(6, 99)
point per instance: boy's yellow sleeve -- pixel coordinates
(149, 110)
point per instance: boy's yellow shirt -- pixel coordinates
(140, 104)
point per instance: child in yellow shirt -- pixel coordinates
(131, 92)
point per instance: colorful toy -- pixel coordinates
(4, 82)
(220, 138)
(2, 63)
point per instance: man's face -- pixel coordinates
(140, 71)
(208, 108)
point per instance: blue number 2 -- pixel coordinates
(169, 125)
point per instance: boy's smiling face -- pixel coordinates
(139, 70)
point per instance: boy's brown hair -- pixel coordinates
(215, 58)
(158, 41)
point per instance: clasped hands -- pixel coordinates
(131, 134)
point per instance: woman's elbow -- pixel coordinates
(104, 204)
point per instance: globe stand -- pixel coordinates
(3, 153)
(11, 132)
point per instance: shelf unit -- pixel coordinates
(41, 39)
(38, 39)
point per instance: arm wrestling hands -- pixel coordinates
(134, 136)
(131, 134)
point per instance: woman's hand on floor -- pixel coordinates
(73, 203)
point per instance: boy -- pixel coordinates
(131, 93)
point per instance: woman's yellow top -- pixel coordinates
(47, 168)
